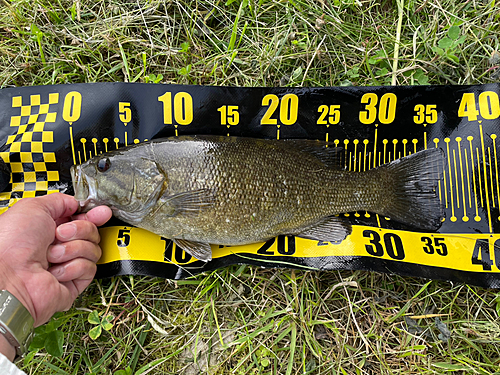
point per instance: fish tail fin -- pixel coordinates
(413, 198)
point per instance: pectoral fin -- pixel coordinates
(330, 229)
(188, 202)
(200, 250)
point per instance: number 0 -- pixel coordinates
(72, 107)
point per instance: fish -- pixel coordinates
(202, 190)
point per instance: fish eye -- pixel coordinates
(103, 165)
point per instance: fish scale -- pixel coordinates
(205, 190)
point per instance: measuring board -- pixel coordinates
(47, 129)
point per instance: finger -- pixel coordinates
(68, 292)
(63, 220)
(78, 230)
(57, 205)
(67, 251)
(98, 215)
(75, 288)
(76, 269)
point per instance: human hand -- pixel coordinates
(49, 256)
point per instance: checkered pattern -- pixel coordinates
(34, 172)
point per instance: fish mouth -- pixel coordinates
(84, 188)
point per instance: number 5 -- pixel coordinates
(125, 112)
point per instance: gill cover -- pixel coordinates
(130, 186)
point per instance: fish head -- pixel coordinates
(129, 185)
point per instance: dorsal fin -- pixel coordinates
(326, 152)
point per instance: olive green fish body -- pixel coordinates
(229, 191)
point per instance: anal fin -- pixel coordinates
(200, 250)
(330, 229)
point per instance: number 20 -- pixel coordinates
(289, 109)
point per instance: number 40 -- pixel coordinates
(481, 254)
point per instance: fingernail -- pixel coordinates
(57, 251)
(66, 231)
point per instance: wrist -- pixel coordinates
(7, 349)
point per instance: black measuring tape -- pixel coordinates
(46, 129)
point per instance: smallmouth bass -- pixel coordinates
(202, 190)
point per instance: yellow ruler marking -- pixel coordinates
(365, 142)
(415, 141)
(116, 140)
(126, 143)
(445, 190)
(479, 177)
(468, 176)
(436, 141)
(456, 178)
(336, 143)
(394, 142)
(346, 142)
(369, 160)
(72, 143)
(473, 167)
(425, 140)
(94, 141)
(360, 159)
(355, 153)
(105, 140)
(494, 137)
(485, 179)
(375, 148)
(83, 140)
(458, 139)
(405, 141)
(79, 158)
(452, 201)
(385, 141)
(491, 178)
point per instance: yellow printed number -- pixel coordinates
(333, 113)
(482, 254)
(181, 108)
(175, 254)
(438, 246)
(427, 114)
(385, 111)
(288, 105)
(125, 112)
(72, 107)
(489, 106)
(229, 115)
(123, 239)
(392, 244)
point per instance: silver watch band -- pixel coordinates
(16, 322)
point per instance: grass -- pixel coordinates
(243, 319)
